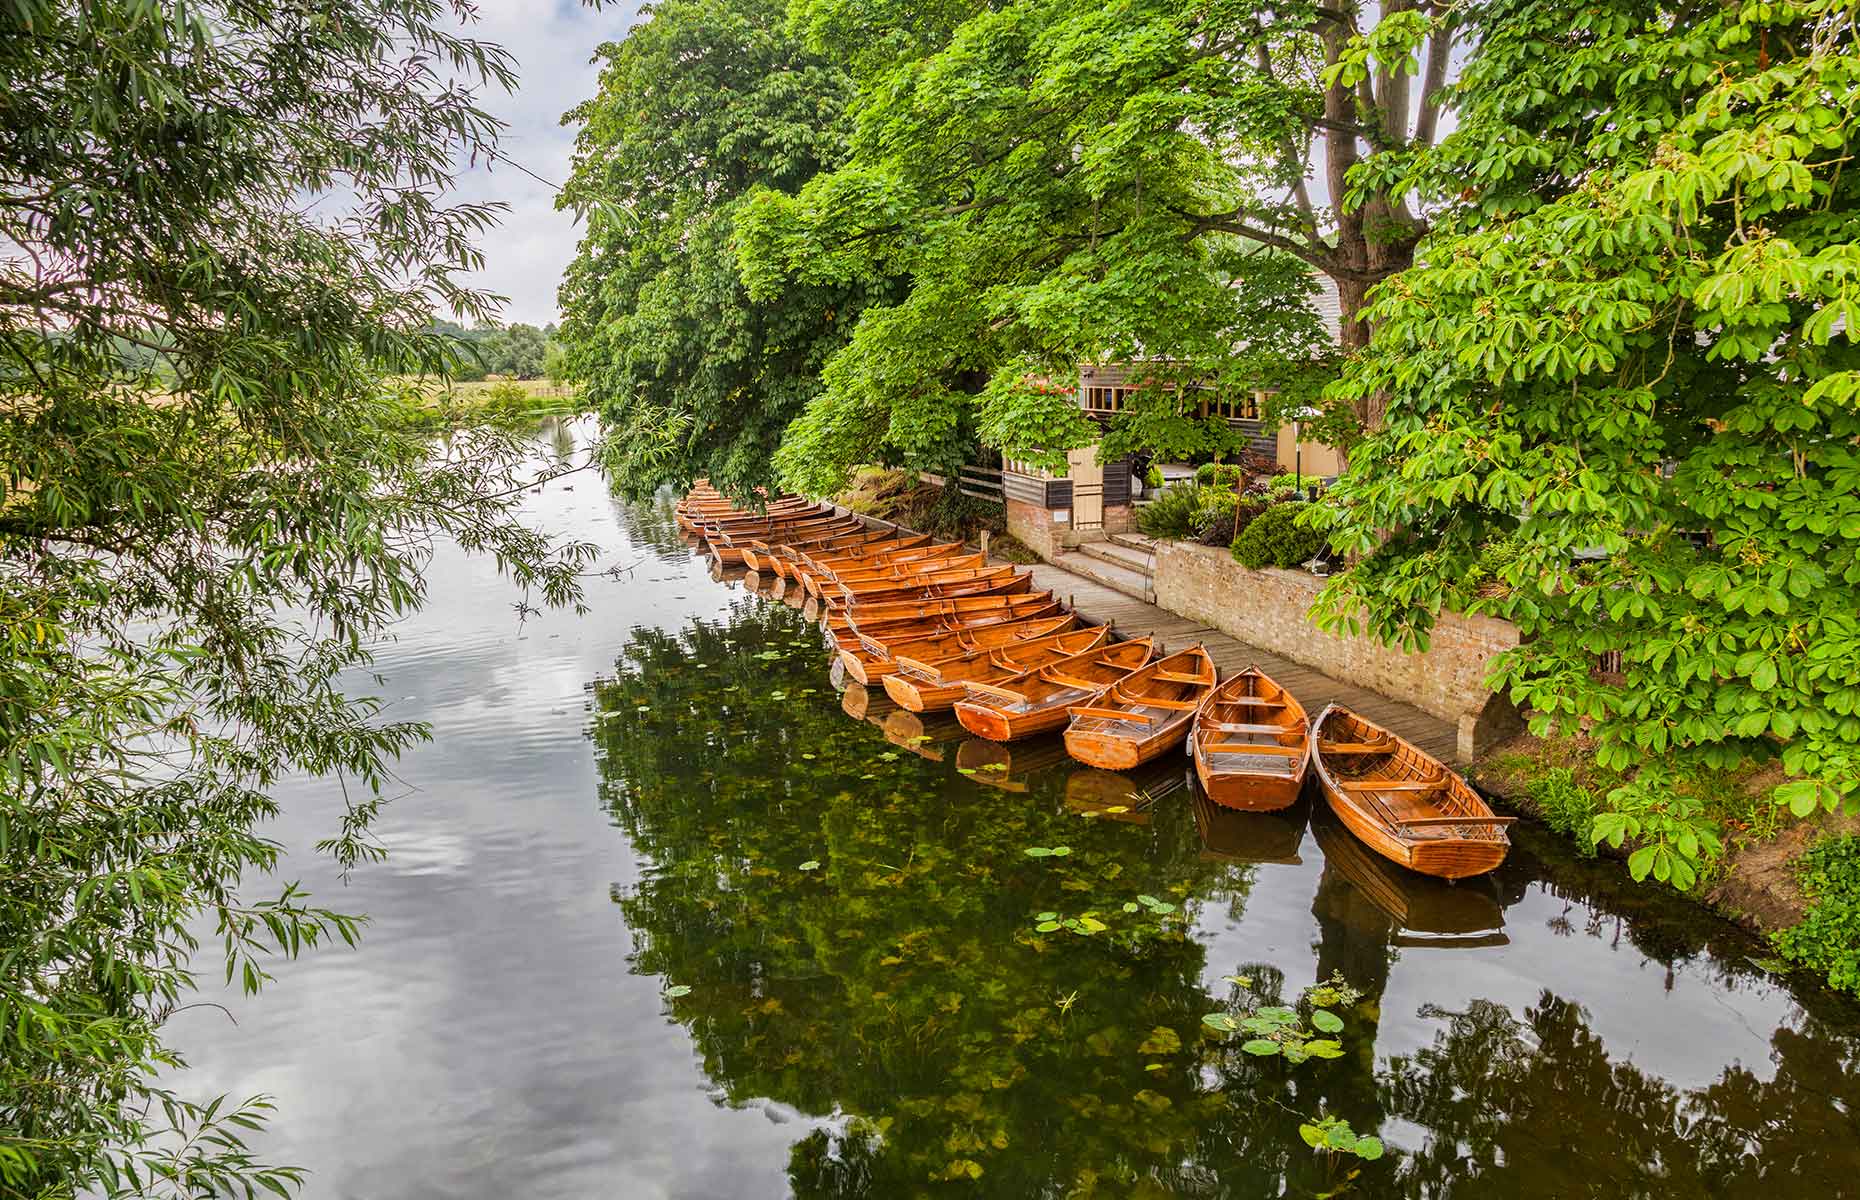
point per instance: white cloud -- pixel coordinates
(553, 41)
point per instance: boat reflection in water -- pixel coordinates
(1010, 766)
(1129, 796)
(1417, 910)
(929, 735)
(1233, 835)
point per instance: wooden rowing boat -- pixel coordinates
(897, 573)
(1143, 715)
(759, 555)
(879, 622)
(1036, 702)
(777, 553)
(814, 571)
(692, 520)
(1251, 744)
(820, 576)
(923, 684)
(929, 586)
(1402, 802)
(729, 548)
(1460, 914)
(869, 667)
(905, 635)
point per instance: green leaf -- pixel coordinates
(1220, 1022)
(812, 864)
(1261, 1046)
(1325, 1020)
(1369, 1148)
(677, 990)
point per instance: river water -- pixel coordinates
(666, 914)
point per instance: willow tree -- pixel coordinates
(1630, 347)
(200, 540)
(700, 103)
(1074, 181)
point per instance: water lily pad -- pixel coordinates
(1046, 916)
(1324, 1048)
(1047, 926)
(1326, 1020)
(812, 864)
(677, 990)
(1092, 925)
(1037, 852)
(1369, 1148)
(1130, 906)
(1261, 1046)
(1220, 1022)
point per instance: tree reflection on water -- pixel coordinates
(899, 987)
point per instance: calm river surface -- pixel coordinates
(668, 794)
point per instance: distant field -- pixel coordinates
(479, 390)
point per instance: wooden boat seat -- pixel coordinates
(1232, 727)
(917, 665)
(1111, 714)
(1253, 748)
(1406, 785)
(989, 689)
(1357, 747)
(1065, 680)
(1179, 677)
(1427, 822)
(1156, 702)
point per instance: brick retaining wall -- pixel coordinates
(1267, 608)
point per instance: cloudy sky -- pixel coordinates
(553, 41)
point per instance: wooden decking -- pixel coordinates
(1134, 618)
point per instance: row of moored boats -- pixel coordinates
(941, 629)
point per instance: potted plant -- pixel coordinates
(1152, 482)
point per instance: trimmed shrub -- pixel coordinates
(1287, 484)
(1274, 538)
(1153, 477)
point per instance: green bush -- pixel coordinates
(1828, 939)
(1174, 514)
(1566, 806)
(1483, 577)
(1287, 484)
(1220, 475)
(1274, 538)
(507, 397)
(1153, 477)
(1225, 517)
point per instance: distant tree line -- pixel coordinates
(515, 351)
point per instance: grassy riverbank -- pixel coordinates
(440, 403)
(1795, 882)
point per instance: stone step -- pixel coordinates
(1120, 555)
(1134, 540)
(1118, 578)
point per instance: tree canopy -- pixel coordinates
(700, 103)
(1073, 182)
(1628, 344)
(199, 541)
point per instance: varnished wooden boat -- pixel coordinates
(821, 577)
(778, 553)
(1143, 715)
(759, 554)
(1250, 837)
(905, 636)
(817, 571)
(692, 520)
(924, 684)
(1402, 802)
(897, 573)
(1251, 743)
(749, 522)
(1442, 914)
(930, 585)
(893, 616)
(868, 667)
(729, 548)
(1036, 702)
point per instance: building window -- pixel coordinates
(1106, 400)
(1235, 406)
(1014, 466)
